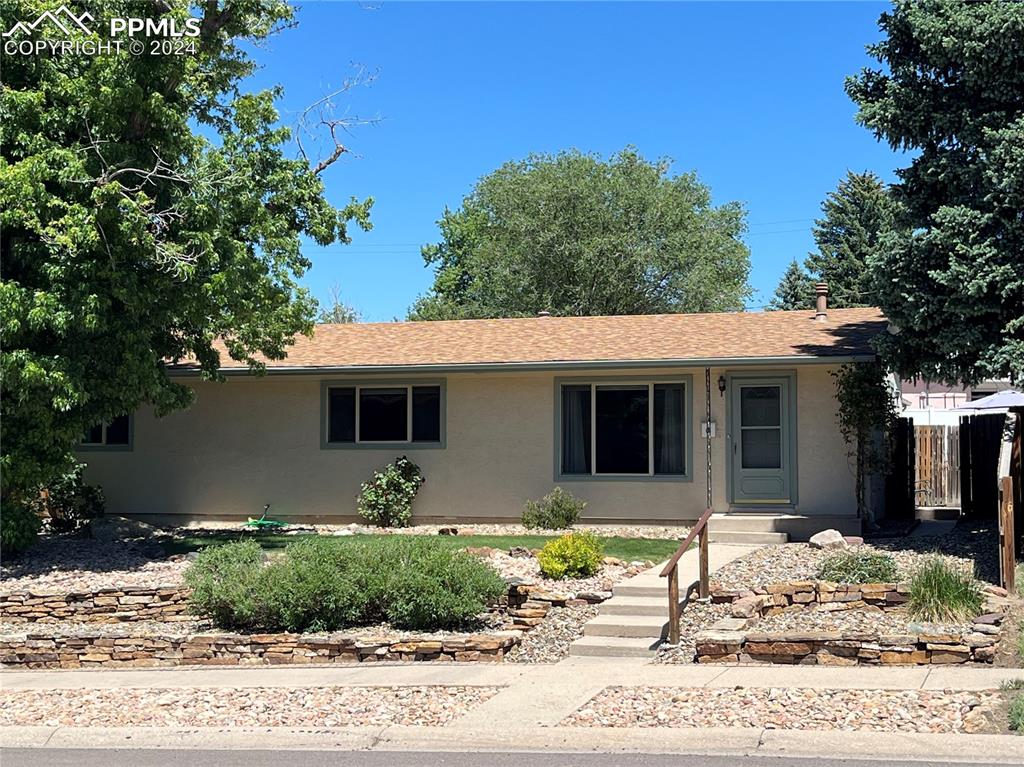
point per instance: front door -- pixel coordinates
(760, 440)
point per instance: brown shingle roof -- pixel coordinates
(553, 340)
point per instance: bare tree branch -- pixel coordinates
(317, 124)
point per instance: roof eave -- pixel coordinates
(484, 367)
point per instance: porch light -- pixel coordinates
(721, 385)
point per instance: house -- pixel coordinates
(496, 412)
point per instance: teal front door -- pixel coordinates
(761, 440)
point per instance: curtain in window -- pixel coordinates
(668, 429)
(576, 430)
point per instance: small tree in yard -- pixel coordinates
(386, 500)
(866, 409)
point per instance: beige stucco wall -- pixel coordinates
(249, 441)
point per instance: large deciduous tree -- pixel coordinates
(148, 206)
(574, 234)
(952, 89)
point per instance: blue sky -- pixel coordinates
(749, 95)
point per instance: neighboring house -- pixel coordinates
(934, 404)
(497, 412)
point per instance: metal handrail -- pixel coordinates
(671, 571)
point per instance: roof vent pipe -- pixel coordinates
(821, 301)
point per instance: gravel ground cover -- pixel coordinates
(65, 565)
(82, 628)
(527, 570)
(488, 623)
(549, 641)
(670, 532)
(974, 547)
(62, 564)
(868, 619)
(695, 617)
(240, 707)
(781, 708)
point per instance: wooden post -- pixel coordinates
(705, 587)
(673, 606)
(1007, 536)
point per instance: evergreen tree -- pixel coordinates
(856, 215)
(795, 290)
(952, 88)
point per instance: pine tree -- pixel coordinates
(856, 215)
(795, 290)
(950, 93)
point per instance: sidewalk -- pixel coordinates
(571, 673)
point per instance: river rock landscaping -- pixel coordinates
(779, 611)
(783, 708)
(74, 602)
(241, 707)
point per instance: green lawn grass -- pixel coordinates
(628, 549)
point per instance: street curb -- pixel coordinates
(892, 746)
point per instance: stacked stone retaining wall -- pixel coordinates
(736, 640)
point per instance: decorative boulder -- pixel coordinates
(119, 528)
(828, 539)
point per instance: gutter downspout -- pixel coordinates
(707, 438)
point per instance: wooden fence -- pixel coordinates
(938, 465)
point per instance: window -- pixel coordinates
(383, 414)
(116, 433)
(626, 429)
(761, 427)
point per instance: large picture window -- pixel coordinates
(623, 429)
(383, 414)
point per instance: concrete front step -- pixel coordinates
(641, 590)
(614, 647)
(748, 537)
(650, 626)
(625, 605)
(799, 527)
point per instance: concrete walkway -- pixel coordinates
(635, 620)
(596, 673)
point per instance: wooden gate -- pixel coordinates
(938, 465)
(899, 483)
(980, 438)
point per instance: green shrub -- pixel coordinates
(574, 555)
(432, 586)
(1016, 713)
(857, 566)
(386, 499)
(225, 583)
(323, 585)
(557, 510)
(942, 592)
(313, 587)
(69, 503)
(19, 527)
